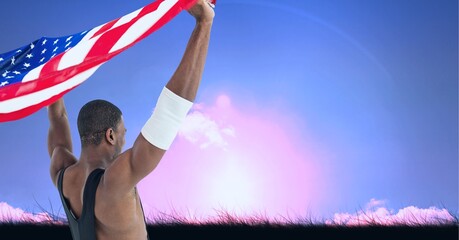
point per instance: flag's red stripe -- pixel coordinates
(186, 5)
(4, 117)
(149, 8)
(104, 28)
(50, 80)
(106, 42)
(51, 66)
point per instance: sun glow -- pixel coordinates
(242, 163)
(233, 186)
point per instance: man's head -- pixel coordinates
(101, 122)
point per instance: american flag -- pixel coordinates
(36, 75)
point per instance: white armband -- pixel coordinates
(163, 125)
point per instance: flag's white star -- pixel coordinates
(29, 56)
(32, 46)
(43, 52)
(55, 42)
(42, 59)
(9, 77)
(83, 32)
(68, 44)
(26, 65)
(1, 59)
(13, 60)
(5, 73)
(69, 38)
(55, 49)
(3, 83)
(18, 51)
(44, 42)
(53, 55)
(16, 72)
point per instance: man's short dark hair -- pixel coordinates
(95, 118)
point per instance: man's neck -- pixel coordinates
(95, 157)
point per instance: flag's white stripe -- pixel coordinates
(33, 74)
(126, 18)
(91, 33)
(77, 54)
(25, 101)
(142, 25)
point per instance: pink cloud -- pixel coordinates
(374, 203)
(377, 214)
(17, 215)
(411, 216)
(246, 162)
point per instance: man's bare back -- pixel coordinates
(123, 219)
(118, 211)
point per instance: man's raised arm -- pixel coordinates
(187, 77)
(59, 139)
(171, 109)
(180, 91)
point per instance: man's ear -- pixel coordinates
(110, 136)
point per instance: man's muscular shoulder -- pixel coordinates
(60, 159)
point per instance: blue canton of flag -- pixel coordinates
(14, 65)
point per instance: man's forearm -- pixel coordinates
(59, 129)
(56, 110)
(187, 77)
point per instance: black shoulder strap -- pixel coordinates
(59, 183)
(87, 222)
(73, 223)
(90, 188)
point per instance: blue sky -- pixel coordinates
(367, 89)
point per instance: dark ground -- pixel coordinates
(240, 232)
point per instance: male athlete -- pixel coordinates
(98, 191)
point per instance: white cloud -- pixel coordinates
(201, 129)
(377, 214)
